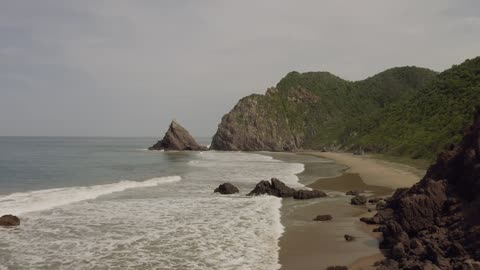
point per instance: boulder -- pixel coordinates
(353, 193)
(275, 188)
(349, 238)
(323, 218)
(177, 138)
(226, 188)
(358, 200)
(308, 194)
(9, 220)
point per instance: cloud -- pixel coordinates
(127, 68)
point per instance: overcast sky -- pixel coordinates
(127, 68)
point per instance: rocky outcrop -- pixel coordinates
(358, 200)
(256, 124)
(277, 188)
(436, 223)
(177, 138)
(314, 110)
(308, 194)
(9, 220)
(226, 189)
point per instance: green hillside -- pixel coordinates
(425, 122)
(406, 111)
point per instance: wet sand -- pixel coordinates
(308, 244)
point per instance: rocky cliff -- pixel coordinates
(177, 138)
(311, 110)
(436, 223)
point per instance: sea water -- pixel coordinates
(108, 203)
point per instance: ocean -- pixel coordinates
(108, 203)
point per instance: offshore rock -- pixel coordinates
(177, 138)
(226, 189)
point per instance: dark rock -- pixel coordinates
(358, 200)
(226, 188)
(177, 138)
(9, 220)
(275, 188)
(368, 220)
(435, 224)
(308, 194)
(380, 205)
(337, 268)
(398, 251)
(349, 238)
(353, 193)
(323, 218)
(388, 264)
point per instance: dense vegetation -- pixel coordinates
(406, 111)
(426, 121)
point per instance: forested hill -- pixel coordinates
(405, 111)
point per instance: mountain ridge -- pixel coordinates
(319, 110)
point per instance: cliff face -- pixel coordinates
(436, 223)
(311, 110)
(259, 122)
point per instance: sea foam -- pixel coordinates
(23, 202)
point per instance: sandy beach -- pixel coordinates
(307, 244)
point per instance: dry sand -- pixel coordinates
(376, 172)
(307, 244)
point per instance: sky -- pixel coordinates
(127, 68)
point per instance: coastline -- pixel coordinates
(306, 244)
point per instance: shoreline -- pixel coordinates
(306, 244)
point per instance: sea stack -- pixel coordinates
(177, 138)
(436, 223)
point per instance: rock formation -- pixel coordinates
(436, 223)
(358, 200)
(227, 188)
(177, 138)
(323, 218)
(9, 220)
(313, 110)
(304, 194)
(251, 126)
(277, 188)
(348, 238)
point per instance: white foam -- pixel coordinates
(182, 225)
(23, 202)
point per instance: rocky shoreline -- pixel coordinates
(436, 223)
